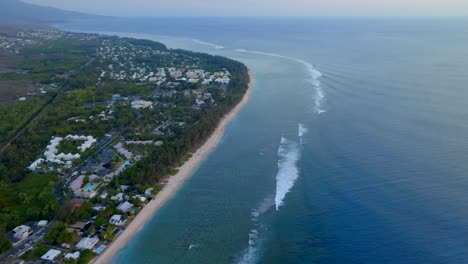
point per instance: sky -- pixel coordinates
(263, 7)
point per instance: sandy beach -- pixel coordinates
(173, 184)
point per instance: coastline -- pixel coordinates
(174, 182)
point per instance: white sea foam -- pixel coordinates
(192, 246)
(250, 254)
(301, 132)
(314, 77)
(215, 46)
(288, 171)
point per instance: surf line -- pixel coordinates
(314, 76)
(201, 42)
(289, 153)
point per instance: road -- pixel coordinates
(38, 113)
(25, 245)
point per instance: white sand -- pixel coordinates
(173, 184)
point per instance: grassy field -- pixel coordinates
(6, 61)
(10, 91)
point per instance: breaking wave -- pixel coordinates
(193, 246)
(314, 77)
(215, 46)
(302, 131)
(288, 155)
(288, 171)
(250, 254)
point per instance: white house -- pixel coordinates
(74, 255)
(139, 104)
(87, 243)
(224, 80)
(125, 207)
(42, 223)
(22, 231)
(149, 192)
(117, 220)
(104, 195)
(51, 255)
(139, 197)
(118, 197)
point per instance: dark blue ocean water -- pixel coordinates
(380, 175)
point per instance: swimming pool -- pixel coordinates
(89, 187)
(100, 249)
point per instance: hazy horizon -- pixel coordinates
(293, 8)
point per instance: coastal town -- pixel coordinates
(122, 115)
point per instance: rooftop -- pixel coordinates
(87, 243)
(51, 254)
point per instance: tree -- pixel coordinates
(58, 234)
(86, 256)
(5, 243)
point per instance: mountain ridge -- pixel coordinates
(16, 12)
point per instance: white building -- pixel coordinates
(104, 195)
(75, 255)
(87, 243)
(118, 197)
(51, 255)
(22, 231)
(139, 104)
(139, 197)
(117, 220)
(125, 207)
(149, 192)
(42, 223)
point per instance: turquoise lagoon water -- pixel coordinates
(352, 149)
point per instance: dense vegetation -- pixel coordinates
(73, 103)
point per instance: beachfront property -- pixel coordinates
(119, 63)
(117, 220)
(149, 192)
(51, 255)
(125, 207)
(86, 175)
(87, 243)
(140, 198)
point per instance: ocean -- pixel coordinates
(352, 149)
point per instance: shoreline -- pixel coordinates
(174, 182)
